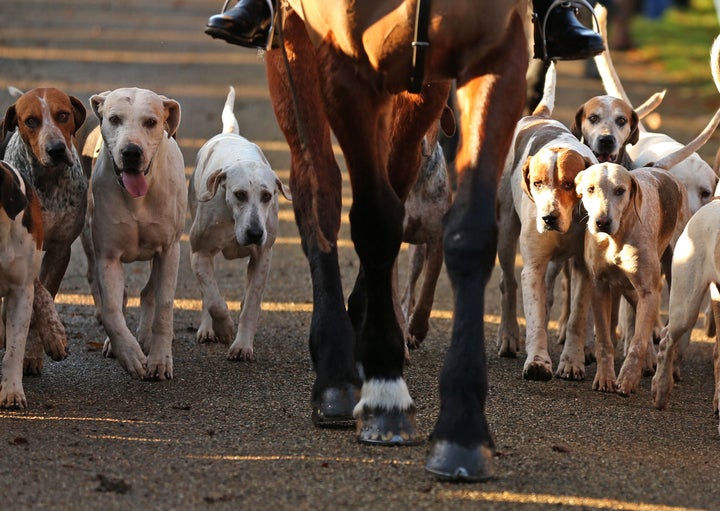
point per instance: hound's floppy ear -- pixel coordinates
(525, 181)
(284, 190)
(576, 128)
(634, 129)
(97, 102)
(578, 180)
(213, 182)
(11, 195)
(79, 112)
(636, 196)
(172, 115)
(10, 122)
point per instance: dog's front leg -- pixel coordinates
(632, 368)
(120, 342)
(258, 271)
(54, 264)
(538, 365)
(419, 323)
(215, 322)
(17, 322)
(163, 281)
(572, 359)
(604, 349)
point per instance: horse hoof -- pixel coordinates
(452, 462)
(388, 427)
(335, 407)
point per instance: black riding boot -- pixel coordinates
(247, 24)
(564, 37)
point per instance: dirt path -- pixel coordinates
(226, 435)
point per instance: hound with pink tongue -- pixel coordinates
(134, 183)
(136, 212)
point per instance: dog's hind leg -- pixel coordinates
(215, 321)
(418, 321)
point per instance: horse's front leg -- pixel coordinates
(361, 120)
(491, 99)
(316, 184)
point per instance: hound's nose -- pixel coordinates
(56, 151)
(550, 221)
(254, 236)
(603, 223)
(131, 155)
(606, 143)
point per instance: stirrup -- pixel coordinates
(556, 3)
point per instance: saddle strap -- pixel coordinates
(420, 45)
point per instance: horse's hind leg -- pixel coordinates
(491, 99)
(316, 185)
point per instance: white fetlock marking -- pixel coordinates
(384, 394)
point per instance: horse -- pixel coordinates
(376, 79)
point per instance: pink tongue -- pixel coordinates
(135, 183)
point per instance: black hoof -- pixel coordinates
(388, 427)
(453, 462)
(335, 407)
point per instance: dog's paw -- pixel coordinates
(629, 378)
(34, 359)
(538, 369)
(47, 325)
(131, 358)
(418, 327)
(570, 370)
(218, 327)
(660, 390)
(508, 346)
(12, 396)
(604, 381)
(240, 351)
(159, 368)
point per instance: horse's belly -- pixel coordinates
(382, 32)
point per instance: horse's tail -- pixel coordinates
(230, 124)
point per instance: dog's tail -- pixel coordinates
(230, 124)
(715, 62)
(610, 80)
(547, 103)
(673, 159)
(608, 75)
(14, 91)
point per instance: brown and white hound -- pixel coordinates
(538, 208)
(41, 126)
(21, 238)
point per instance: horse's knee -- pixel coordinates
(470, 249)
(377, 231)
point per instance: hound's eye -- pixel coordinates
(593, 118)
(537, 184)
(265, 196)
(621, 121)
(568, 186)
(150, 123)
(705, 194)
(63, 117)
(32, 122)
(620, 191)
(590, 190)
(241, 195)
(114, 120)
